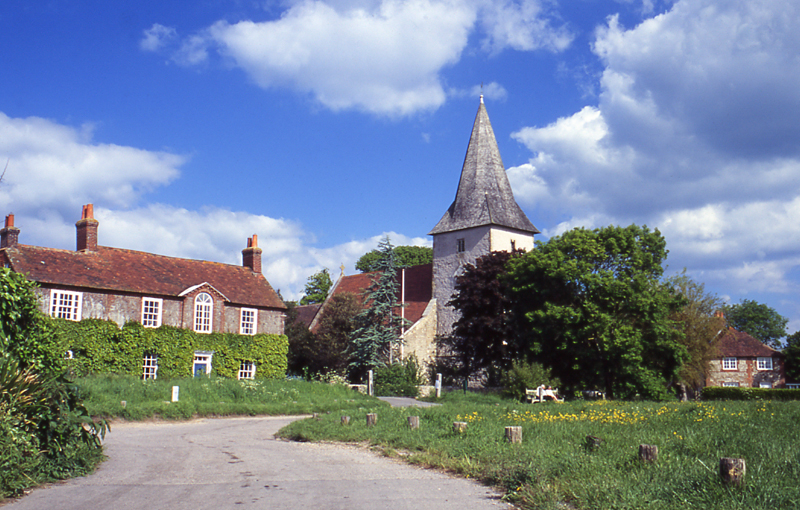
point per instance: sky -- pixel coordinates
(323, 125)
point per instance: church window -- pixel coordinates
(460, 245)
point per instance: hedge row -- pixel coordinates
(100, 346)
(733, 393)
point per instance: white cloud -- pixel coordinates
(156, 37)
(116, 178)
(382, 57)
(695, 133)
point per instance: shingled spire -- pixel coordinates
(484, 196)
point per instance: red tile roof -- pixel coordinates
(738, 344)
(306, 313)
(418, 288)
(115, 269)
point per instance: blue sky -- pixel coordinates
(323, 125)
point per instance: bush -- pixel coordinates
(523, 375)
(733, 393)
(398, 379)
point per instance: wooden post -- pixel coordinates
(732, 470)
(648, 452)
(370, 387)
(459, 426)
(514, 434)
(592, 443)
(345, 420)
(413, 422)
(372, 419)
(123, 403)
(315, 416)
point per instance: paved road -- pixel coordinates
(236, 463)
(406, 402)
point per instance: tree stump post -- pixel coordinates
(459, 426)
(592, 443)
(413, 422)
(345, 420)
(514, 434)
(123, 403)
(372, 419)
(315, 416)
(648, 452)
(732, 470)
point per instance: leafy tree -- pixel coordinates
(483, 337)
(301, 341)
(407, 256)
(758, 320)
(317, 288)
(590, 305)
(333, 331)
(700, 323)
(377, 326)
(792, 353)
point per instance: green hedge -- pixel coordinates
(100, 346)
(733, 393)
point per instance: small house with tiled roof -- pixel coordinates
(125, 285)
(744, 361)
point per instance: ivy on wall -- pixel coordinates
(100, 346)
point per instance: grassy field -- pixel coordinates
(215, 396)
(555, 467)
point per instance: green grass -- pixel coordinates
(214, 396)
(553, 466)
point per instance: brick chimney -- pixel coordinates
(9, 235)
(251, 256)
(87, 229)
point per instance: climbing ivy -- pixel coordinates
(100, 346)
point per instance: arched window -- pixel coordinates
(203, 313)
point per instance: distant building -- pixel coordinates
(743, 361)
(124, 285)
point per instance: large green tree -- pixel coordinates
(377, 326)
(407, 256)
(483, 337)
(792, 353)
(333, 331)
(701, 324)
(317, 288)
(758, 320)
(591, 305)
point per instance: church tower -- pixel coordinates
(484, 217)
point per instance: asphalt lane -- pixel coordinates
(236, 463)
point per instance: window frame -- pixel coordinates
(730, 384)
(726, 363)
(764, 363)
(149, 366)
(248, 327)
(461, 245)
(247, 370)
(203, 313)
(158, 313)
(71, 312)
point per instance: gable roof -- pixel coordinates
(738, 344)
(484, 195)
(120, 270)
(306, 313)
(416, 288)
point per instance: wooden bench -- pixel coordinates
(541, 394)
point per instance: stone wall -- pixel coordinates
(747, 373)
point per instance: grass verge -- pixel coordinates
(556, 466)
(214, 396)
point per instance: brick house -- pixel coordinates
(746, 362)
(125, 285)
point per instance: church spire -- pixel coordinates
(484, 196)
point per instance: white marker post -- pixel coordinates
(438, 385)
(370, 388)
(175, 390)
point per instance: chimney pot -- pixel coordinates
(87, 229)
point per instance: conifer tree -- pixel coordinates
(377, 326)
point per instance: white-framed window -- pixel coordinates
(247, 370)
(149, 366)
(151, 312)
(730, 384)
(765, 385)
(461, 245)
(764, 363)
(202, 363)
(729, 364)
(248, 320)
(65, 304)
(793, 386)
(203, 313)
